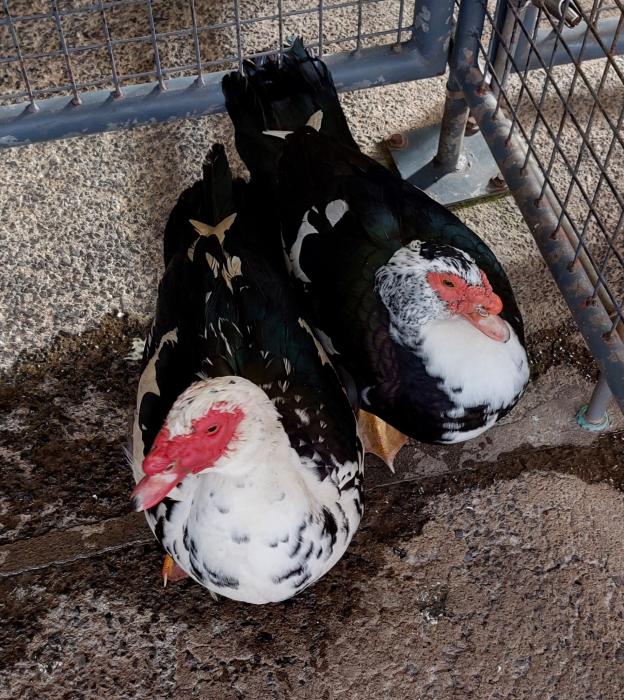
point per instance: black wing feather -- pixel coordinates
(246, 325)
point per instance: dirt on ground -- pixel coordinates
(488, 579)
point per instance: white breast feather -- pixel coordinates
(485, 371)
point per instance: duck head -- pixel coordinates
(425, 282)
(215, 424)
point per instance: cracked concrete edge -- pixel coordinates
(64, 546)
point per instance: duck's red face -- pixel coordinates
(478, 304)
(173, 458)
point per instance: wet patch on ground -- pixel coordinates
(560, 346)
(65, 416)
(422, 577)
(64, 423)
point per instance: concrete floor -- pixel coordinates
(492, 569)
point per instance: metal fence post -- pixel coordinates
(120, 96)
(593, 416)
(451, 165)
(433, 23)
(452, 130)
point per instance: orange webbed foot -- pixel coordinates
(171, 571)
(380, 438)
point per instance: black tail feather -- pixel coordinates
(282, 97)
(209, 200)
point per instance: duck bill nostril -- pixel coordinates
(491, 324)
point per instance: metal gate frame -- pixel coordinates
(423, 55)
(471, 91)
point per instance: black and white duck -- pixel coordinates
(245, 447)
(403, 295)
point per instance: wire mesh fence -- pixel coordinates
(544, 79)
(109, 56)
(57, 47)
(547, 81)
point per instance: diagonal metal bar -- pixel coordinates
(154, 39)
(68, 64)
(239, 40)
(196, 48)
(20, 58)
(117, 92)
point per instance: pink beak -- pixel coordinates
(489, 323)
(154, 487)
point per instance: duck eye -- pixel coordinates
(212, 429)
(447, 283)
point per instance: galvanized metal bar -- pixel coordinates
(68, 65)
(589, 123)
(564, 116)
(573, 38)
(549, 193)
(576, 287)
(452, 130)
(530, 25)
(182, 33)
(589, 87)
(154, 39)
(595, 271)
(239, 38)
(174, 72)
(432, 33)
(400, 22)
(80, 9)
(186, 32)
(20, 57)
(358, 42)
(114, 4)
(378, 65)
(320, 27)
(433, 23)
(196, 47)
(280, 30)
(507, 42)
(500, 15)
(599, 402)
(579, 128)
(117, 92)
(530, 22)
(594, 416)
(604, 54)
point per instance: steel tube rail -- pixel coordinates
(573, 37)
(576, 287)
(185, 98)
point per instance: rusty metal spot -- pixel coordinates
(397, 141)
(471, 126)
(497, 183)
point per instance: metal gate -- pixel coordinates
(519, 66)
(72, 67)
(521, 69)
